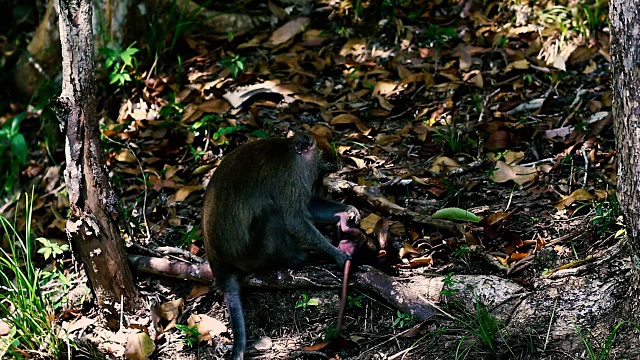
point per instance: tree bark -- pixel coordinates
(92, 225)
(625, 66)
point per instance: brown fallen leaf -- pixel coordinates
(350, 119)
(139, 346)
(126, 156)
(519, 174)
(355, 46)
(517, 65)
(369, 223)
(578, 195)
(198, 291)
(183, 192)
(495, 217)
(208, 327)
(216, 106)
(443, 164)
(171, 309)
(287, 31)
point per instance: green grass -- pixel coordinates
(601, 351)
(24, 308)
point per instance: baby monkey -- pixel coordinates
(259, 213)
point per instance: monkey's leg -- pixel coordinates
(231, 288)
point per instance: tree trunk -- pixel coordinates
(92, 225)
(625, 54)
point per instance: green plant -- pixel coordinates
(173, 109)
(451, 136)
(607, 214)
(234, 64)
(222, 131)
(502, 42)
(196, 152)
(447, 288)
(585, 18)
(355, 302)
(120, 63)
(13, 152)
(51, 249)
(202, 125)
(582, 127)
(491, 172)
(190, 334)
(24, 307)
(403, 319)
(501, 155)
(483, 325)
(437, 36)
(306, 302)
(188, 237)
(605, 349)
(461, 251)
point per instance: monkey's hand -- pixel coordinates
(353, 214)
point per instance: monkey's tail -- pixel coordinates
(343, 299)
(231, 287)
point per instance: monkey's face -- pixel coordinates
(328, 159)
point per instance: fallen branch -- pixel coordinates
(404, 294)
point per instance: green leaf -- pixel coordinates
(313, 302)
(260, 134)
(109, 62)
(19, 148)
(15, 123)
(455, 214)
(107, 52)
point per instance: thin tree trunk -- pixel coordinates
(625, 53)
(92, 225)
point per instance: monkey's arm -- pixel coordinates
(330, 212)
(302, 228)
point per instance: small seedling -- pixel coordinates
(234, 64)
(120, 63)
(306, 302)
(447, 288)
(190, 334)
(51, 249)
(354, 302)
(451, 136)
(403, 319)
(461, 251)
(173, 109)
(501, 155)
(491, 172)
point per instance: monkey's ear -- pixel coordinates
(303, 143)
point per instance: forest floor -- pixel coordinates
(502, 110)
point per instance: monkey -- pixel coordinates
(259, 211)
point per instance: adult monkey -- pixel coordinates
(258, 215)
